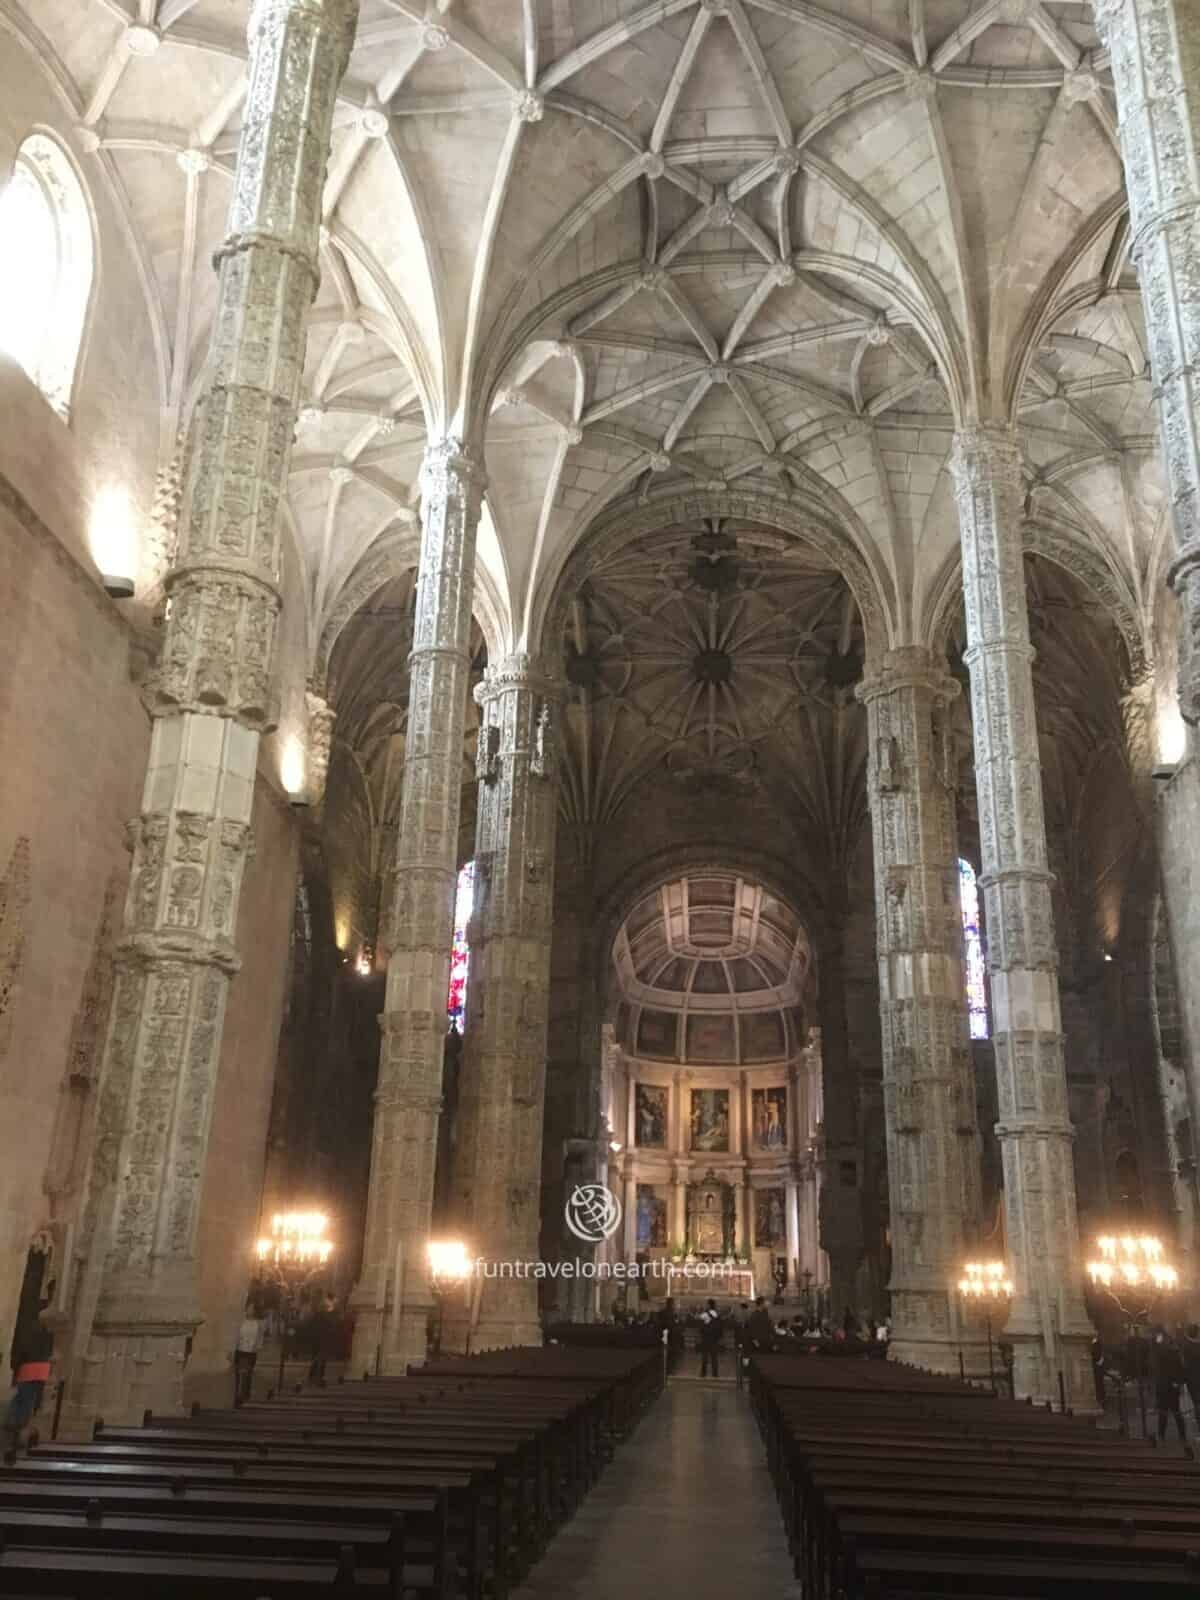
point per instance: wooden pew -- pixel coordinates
(900, 1483)
(442, 1484)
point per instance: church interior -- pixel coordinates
(602, 613)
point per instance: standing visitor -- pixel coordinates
(710, 1340)
(324, 1329)
(760, 1335)
(245, 1356)
(740, 1321)
(1167, 1367)
(31, 1373)
(1191, 1366)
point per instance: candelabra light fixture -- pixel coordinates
(986, 1284)
(1132, 1265)
(450, 1267)
(1133, 1271)
(297, 1238)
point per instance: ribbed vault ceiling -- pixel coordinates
(652, 244)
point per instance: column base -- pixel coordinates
(507, 1316)
(934, 1353)
(123, 1373)
(385, 1346)
(1036, 1374)
(498, 1334)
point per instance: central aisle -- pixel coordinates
(685, 1510)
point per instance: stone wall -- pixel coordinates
(73, 739)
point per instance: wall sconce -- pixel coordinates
(291, 771)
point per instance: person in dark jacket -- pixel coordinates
(31, 1373)
(760, 1334)
(710, 1340)
(1190, 1349)
(325, 1336)
(1167, 1367)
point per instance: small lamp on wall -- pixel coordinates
(291, 772)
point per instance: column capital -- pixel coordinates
(268, 16)
(985, 452)
(517, 672)
(448, 467)
(911, 666)
(1107, 15)
(321, 718)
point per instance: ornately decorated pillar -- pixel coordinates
(928, 1085)
(1155, 51)
(135, 1299)
(1049, 1326)
(841, 1222)
(496, 1188)
(393, 1299)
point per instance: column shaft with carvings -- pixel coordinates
(1155, 51)
(136, 1296)
(841, 1224)
(393, 1298)
(498, 1155)
(928, 1084)
(1049, 1326)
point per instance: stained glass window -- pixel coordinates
(460, 950)
(968, 895)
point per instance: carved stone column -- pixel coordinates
(1155, 51)
(498, 1158)
(496, 1184)
(1049, 1326)
(393, 1299)
(928, 1085)
(841, 1227)
(135, 1299)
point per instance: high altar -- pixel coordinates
(710, 1218)
(710, 1268)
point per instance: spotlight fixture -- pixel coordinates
(118, 588)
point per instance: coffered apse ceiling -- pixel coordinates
(711, 968)
(754, 250)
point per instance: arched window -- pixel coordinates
(46, 266)
(460, 950)
(968, 896)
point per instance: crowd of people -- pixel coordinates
(303, 1316)
(1167, 1362)
(748, 1328)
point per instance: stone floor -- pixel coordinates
(686, 1509)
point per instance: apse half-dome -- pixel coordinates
(710, 969)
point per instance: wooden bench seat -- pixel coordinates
(436, 1485)
(895, 1484)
